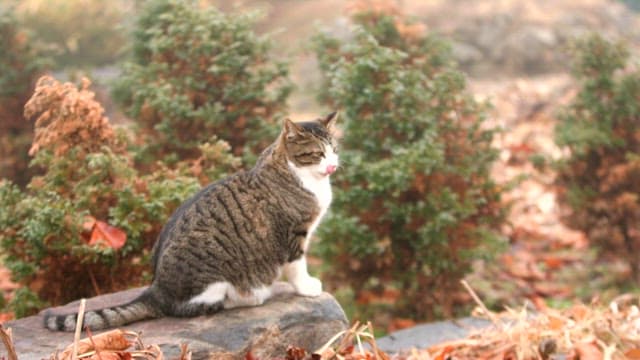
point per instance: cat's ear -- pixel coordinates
(329, 121)
(291, 129)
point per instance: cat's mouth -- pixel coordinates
(330, 170)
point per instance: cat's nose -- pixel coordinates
(330, 169)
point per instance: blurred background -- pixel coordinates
(494, 141)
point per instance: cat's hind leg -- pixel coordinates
(254, 297)
(210, 301)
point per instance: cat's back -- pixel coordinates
(205, 210)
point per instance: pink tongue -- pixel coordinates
(330, 169)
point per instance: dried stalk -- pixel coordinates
(475, 297)
(7, 340)
(76, 337)
(185, 353)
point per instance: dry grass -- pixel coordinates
(581, 332)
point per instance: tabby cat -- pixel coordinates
(225, 246)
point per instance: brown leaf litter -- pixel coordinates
(580, 332)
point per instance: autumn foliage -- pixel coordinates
(67, 118)
(414, 204)
(90, 220)
(600, 130)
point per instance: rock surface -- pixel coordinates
(265, 330)
(426, 335)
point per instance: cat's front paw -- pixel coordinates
(309, 286)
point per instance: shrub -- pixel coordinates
(197, 72)
(64, 237)
(20, 64)
(599, 128)
(414, 204)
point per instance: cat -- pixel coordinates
(225, 246)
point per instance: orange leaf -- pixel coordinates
(554, 262)
(113, 340)
(400, 323)
(295, 353)
(633, 354)
(555, 322)
(539, 303)
(347, 350)
(589, 351)
(578, 312)
(443, 354)
(107, 235)
(8, 316)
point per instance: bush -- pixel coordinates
(196, 73)
(64, 237)
(600, 130)
(414, 204)
(20, 64)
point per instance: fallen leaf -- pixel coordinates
(8, 316)
(553, 262)
(555, 322)
(588, 351)
(539, 303)
(106, 234)
(578, 312)
(501, 352)
(114, 340)
(347, 350)
(400, 323)
(522, 264)
(295, 353)
(633, 354)
(551, 288)
(443, 353)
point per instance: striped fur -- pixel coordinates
(226, 245)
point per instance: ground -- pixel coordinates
(515, 55)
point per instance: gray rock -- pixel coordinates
(286, 319)
(466, 54)
(427, 335)
(532, 49)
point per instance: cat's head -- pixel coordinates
(310, 146)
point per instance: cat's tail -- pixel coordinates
(138, 309)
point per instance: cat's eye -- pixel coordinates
(309, 157)
(312, 154)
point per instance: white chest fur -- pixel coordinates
(314, 180)
(321, 188)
